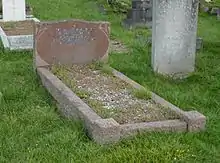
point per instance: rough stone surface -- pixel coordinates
(195, 120)
(70, 105)
(126, 79)
(101, 130)
(113, 96)
(71, 41)
(174, 36)
(63, 95)
(154, 96)
(39, 62)
(106, 131)
(169, 126)
(13, 10)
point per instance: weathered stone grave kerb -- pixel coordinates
(78, 42)
(16, 29)
(174, 37)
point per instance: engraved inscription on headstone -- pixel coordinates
(20, 42)
(72, 41)
(74, 36)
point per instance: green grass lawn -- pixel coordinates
(32, 131)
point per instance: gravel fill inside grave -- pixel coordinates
(109, 96)
(17, 28)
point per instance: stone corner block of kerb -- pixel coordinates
(105, 131)
(195, 121)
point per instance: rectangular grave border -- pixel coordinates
(7, 40)
(104, 131)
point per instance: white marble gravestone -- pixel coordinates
(174, 36)
(13, 10)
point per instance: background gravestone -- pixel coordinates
(174, 36)
(211, 7)
(28, 8)
(13, 10)
(72, 41)
(140, 14)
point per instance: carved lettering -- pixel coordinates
(74, 36)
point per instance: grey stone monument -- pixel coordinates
(140, 14)
(174, 37)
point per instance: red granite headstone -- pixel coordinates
(71, 41)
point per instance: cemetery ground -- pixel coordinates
(32, 131)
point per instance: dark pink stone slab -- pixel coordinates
(71, 41)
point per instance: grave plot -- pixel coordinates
(109, 96)
(16, 27)
(74, 71)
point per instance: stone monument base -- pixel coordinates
(17, 42)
